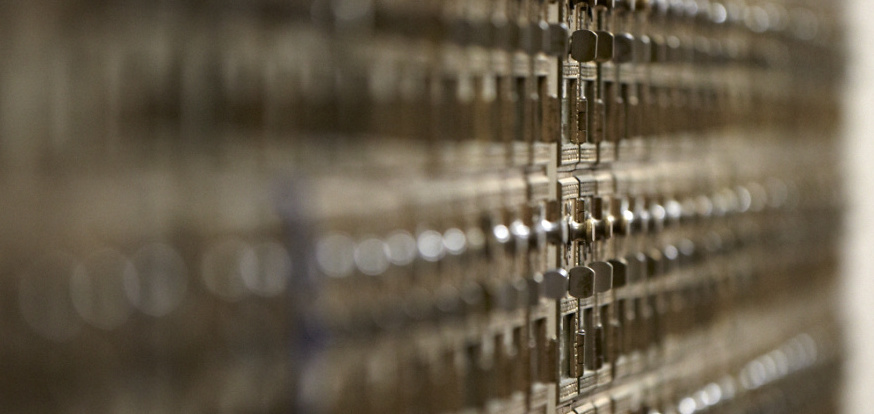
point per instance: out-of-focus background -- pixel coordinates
(177, 195)
(859, 153)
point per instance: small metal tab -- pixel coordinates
(584, 45)
(554, 284)
(636, 270)
(603, 276)
(623, 48)
(555, 40)
(604, 50)
(532, 36)
(581, 282)
(619, 272)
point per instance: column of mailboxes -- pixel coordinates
(625, 70)
(467, 311)
(631, 72)
(446, 326)
(454, 74)
(522, 297)
(615, 315)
